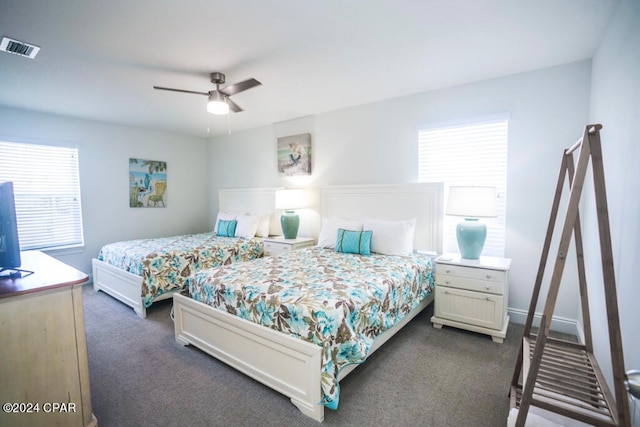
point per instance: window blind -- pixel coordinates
(47, 194)
(468, 154)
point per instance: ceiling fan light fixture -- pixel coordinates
(218, 107)
(217, 104)
(219, 99)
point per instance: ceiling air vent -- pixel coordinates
(18, 47)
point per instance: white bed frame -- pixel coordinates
(127, 287)
(286, 364)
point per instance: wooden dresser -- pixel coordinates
(44, 371)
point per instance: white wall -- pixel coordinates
(104, 152)
(377, 143)
(616, 104)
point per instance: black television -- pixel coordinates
(9, 244)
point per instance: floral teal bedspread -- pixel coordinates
(338, 301)
(164, 263)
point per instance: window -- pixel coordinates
(47, 194)
(468, 154)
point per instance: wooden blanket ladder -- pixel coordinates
(554, 374)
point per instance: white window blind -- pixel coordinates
(46, 189)
(468, 154)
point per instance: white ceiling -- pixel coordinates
(100, 58)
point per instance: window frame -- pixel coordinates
(496, 227)
(35, 201)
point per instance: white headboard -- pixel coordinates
(254, 201)
(423, 201)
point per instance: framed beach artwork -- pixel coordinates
(147, 183)
(294, 155)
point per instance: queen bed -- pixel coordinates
(300, 322)
(140, 272)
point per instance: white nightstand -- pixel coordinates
(279, 245)
(472, 294)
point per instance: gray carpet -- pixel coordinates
(422, 377)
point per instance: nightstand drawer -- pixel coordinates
(474, 308)
(274, 246)
(271, 248)
(470, 284)
(470, 272)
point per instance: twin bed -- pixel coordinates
(300, 322)
(141, 272)
(158, 267)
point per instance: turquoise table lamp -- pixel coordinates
(288, 200)
(471, 202)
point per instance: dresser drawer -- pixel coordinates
(471, 272)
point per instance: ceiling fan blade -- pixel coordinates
(181, 90)
(233, 106)
(239, 87)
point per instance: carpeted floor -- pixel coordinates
(422, 377)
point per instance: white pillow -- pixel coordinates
(224, 216)
(264, 226)
(329, 230)
(391, 237)
(247, 226)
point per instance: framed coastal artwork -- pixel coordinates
(147, 183)
(294, 155)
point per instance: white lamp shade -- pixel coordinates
(291, 199)
(472, 201)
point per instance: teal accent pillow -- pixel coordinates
(354, 242)
(227, 228)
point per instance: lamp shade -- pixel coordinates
(472, 201)
(291, 199)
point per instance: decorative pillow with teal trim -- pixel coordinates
(354, 242)
(227, 228)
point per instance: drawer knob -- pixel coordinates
(488, 276)
(447, 282)
(446, 292)
(448, 271)
(487, 298)
(487, 287)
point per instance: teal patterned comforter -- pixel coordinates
(338, 301)
(164, 263)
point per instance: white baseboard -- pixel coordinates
(559, 324)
